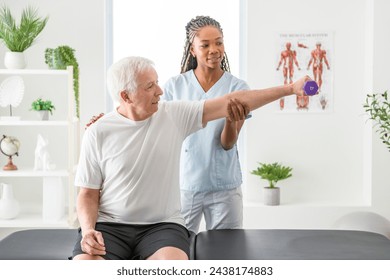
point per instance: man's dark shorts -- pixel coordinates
(138, 242)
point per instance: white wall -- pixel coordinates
(325, 186)
(79, 24)
(381, 82)
(329, 153)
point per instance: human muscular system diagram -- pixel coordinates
(318, 56)
(288, 61)
(288, 58)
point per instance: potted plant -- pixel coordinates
(377, 106)
(60, 58)
(273, 173)
(18, 38)
(43, 107)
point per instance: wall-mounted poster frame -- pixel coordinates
(301, 53)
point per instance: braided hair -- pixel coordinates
(189, 62)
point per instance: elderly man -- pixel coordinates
(129, 200)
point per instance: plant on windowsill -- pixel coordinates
(43, 107)
(377, 105)
(273, 173)
(61, 57)
(18, 38)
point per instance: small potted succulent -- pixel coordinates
(43, 107)
(273, 173)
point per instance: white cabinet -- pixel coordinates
(47, 198)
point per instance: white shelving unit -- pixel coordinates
(56, 196)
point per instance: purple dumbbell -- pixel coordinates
(310, 88)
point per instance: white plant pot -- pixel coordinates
(271, 196)
(43, 115)
(14, 60)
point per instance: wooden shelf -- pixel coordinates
(36, 123)
(33, 72)
(33, 123)
(31, 220)
(52, 199)
(34, 173)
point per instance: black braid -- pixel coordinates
(189, 62)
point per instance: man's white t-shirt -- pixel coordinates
(135, 164)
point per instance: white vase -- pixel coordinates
(9, 206)
(14, 60)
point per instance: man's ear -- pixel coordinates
(125, 96)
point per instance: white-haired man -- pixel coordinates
(129, 200)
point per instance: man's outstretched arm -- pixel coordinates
(218, 107)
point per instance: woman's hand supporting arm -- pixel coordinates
(233, 123)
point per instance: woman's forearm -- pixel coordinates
(230, 132)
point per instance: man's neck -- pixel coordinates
(129, 112)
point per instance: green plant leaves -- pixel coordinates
(19, 38)
(60, 58)
(377, 105)
(41, 105)
(272, 172)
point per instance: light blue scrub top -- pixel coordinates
(204, 165)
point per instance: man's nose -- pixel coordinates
(159, 90)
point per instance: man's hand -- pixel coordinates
(297, 86)
(92, 243)
(237, 111)
(94, 119)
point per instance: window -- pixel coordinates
(156, 29)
